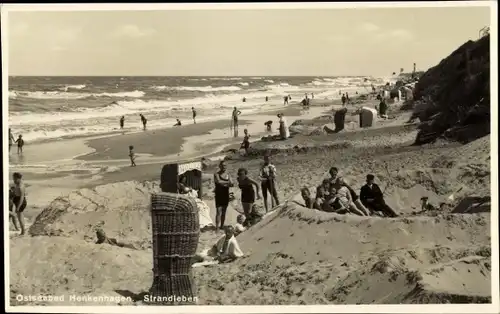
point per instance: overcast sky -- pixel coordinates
(238, 42)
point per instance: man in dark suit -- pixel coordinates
(372, 197)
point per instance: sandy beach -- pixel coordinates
(413, 245)
(433, 142)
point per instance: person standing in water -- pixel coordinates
(144, 121)
(194, 115)
(19, 199)
(248, 194)
(11, 139)
(285, 100)
(222, 184)
(131, 155)
(267, 98)
(122, 122)
(347, 100)
(236, 113)
(20, 144)
(268, 184)
(343, 99)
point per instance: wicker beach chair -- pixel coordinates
(171, 173)
(176, 231)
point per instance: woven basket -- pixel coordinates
(176, 231)
(170, 177)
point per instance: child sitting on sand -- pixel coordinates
(20, 144)
(320, 199)
(131, 154)
(306, 196)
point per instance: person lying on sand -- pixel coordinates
(103, 239)
(372, 197)
(238, 227)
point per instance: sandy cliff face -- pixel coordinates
(455, 95)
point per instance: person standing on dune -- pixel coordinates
(144, 121)
(194, 115)
(223, 183)
(268, 184)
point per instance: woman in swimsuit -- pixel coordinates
(19, 199)
(354, 197)
(222, 184)
(247, 192)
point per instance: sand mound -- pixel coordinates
(322, 258)
(63, 266)
(122, 209)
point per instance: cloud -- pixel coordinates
(369, 27)
(133, 31)
(62, 39)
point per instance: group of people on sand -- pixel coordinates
(284, 131)
(250, 191)
(336, 196)
(19, 142)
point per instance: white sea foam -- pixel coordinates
(68, 87)
(217, 102)
(72, 95)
